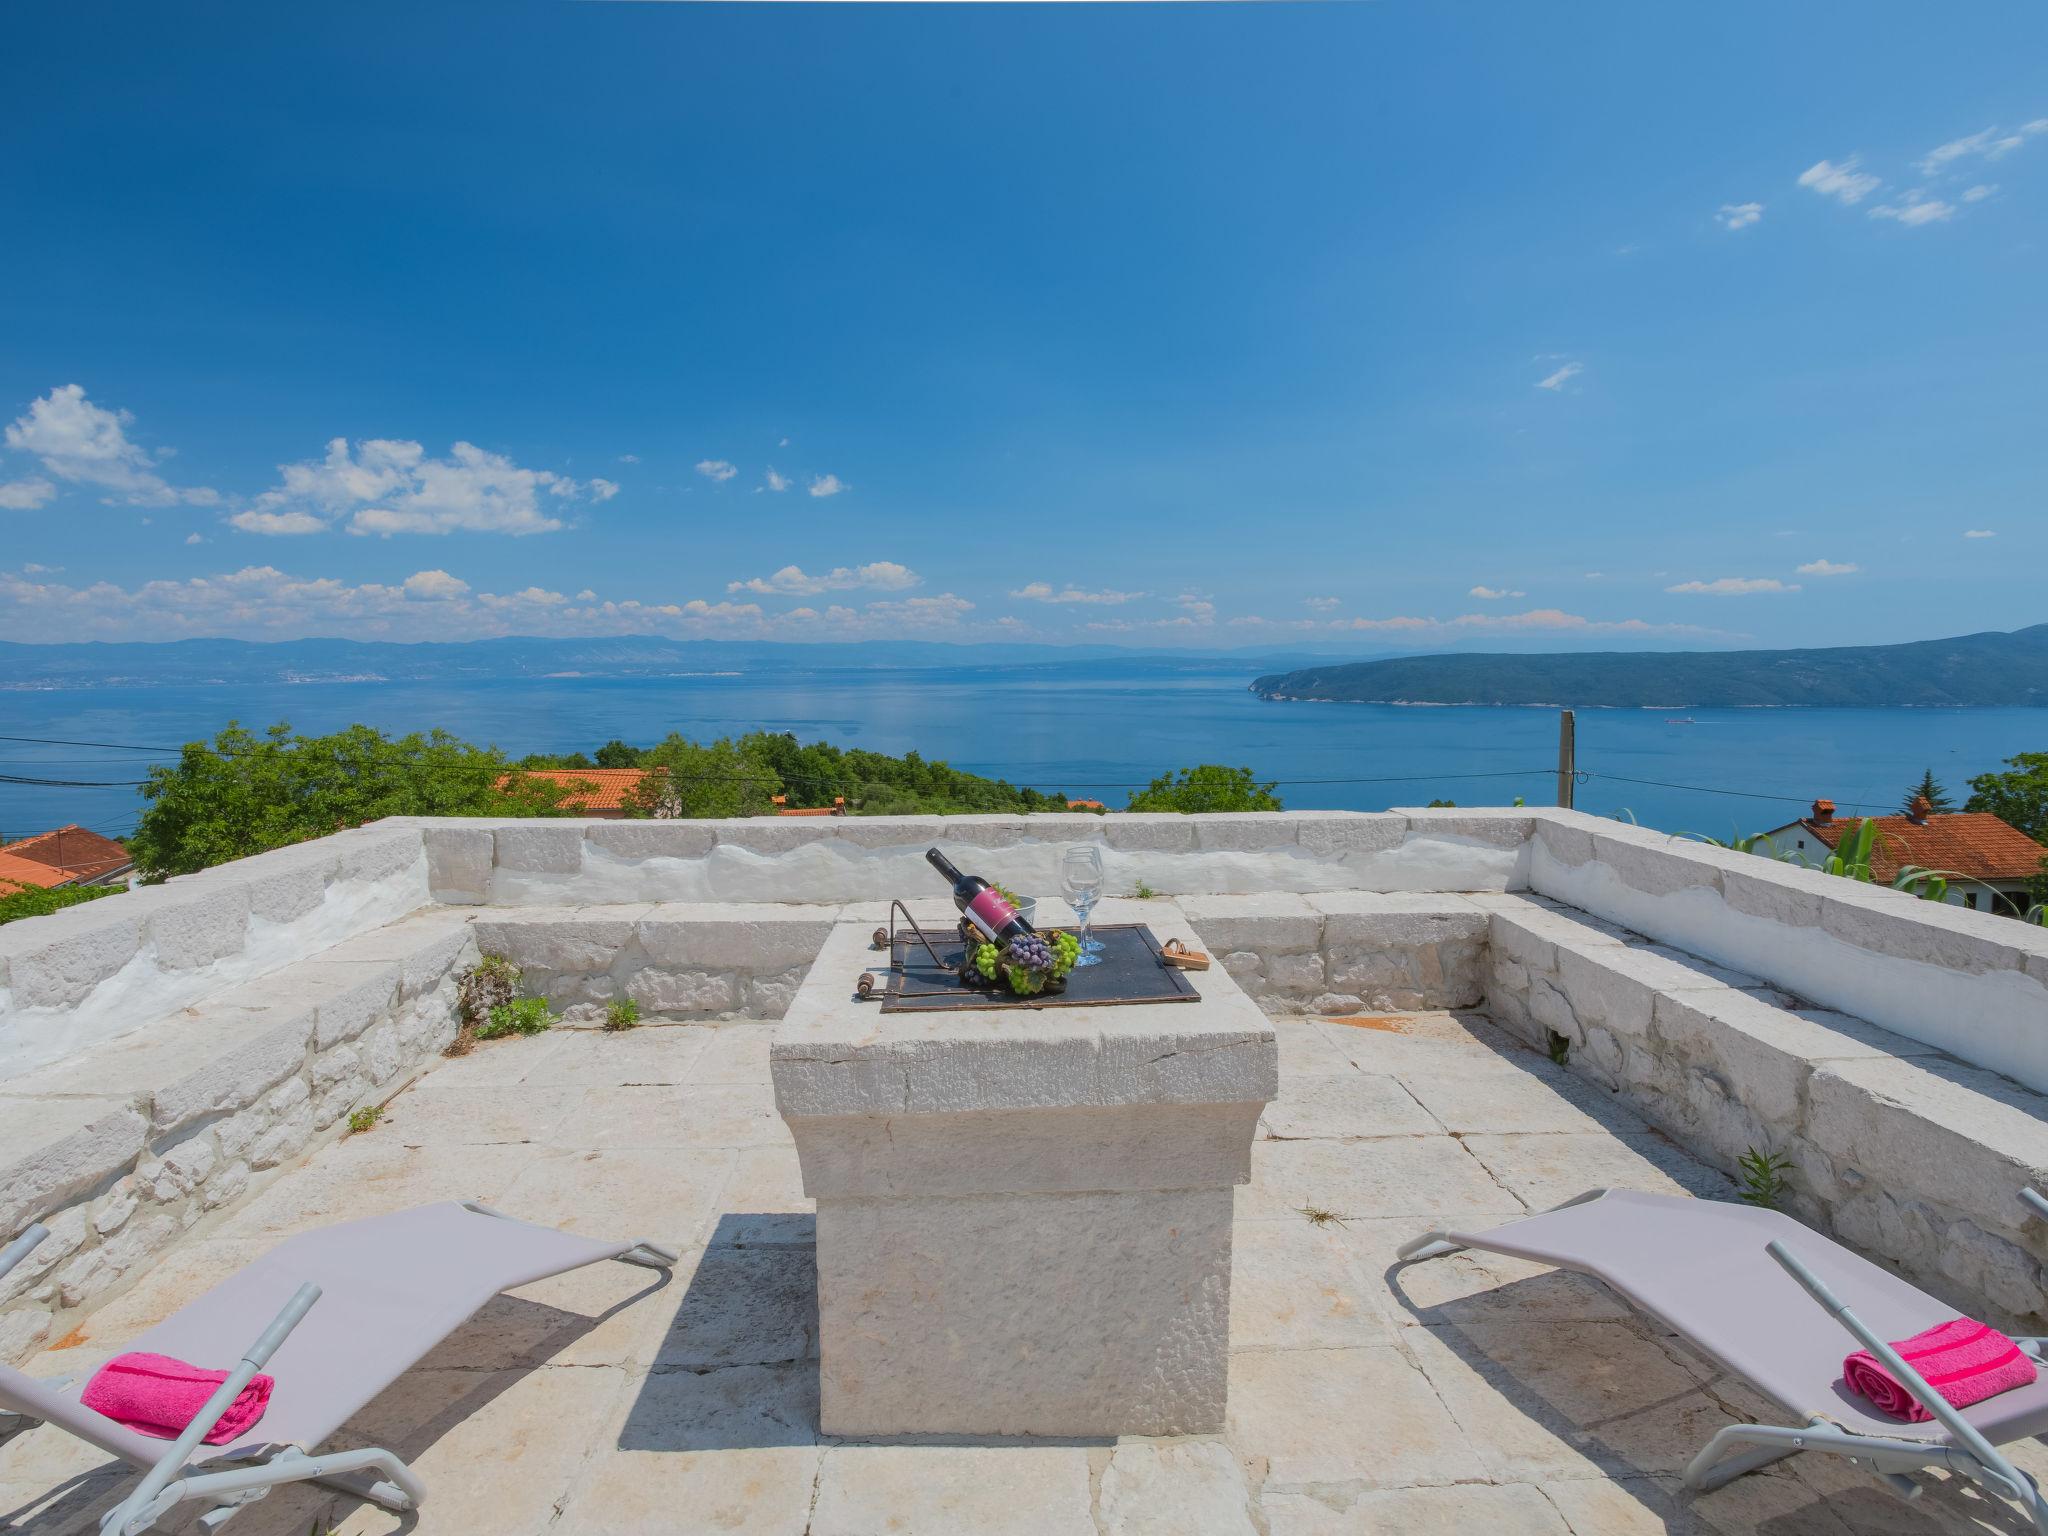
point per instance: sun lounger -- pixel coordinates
(1739, 1285)
(354, 1306)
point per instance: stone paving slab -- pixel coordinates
(1471, 1393)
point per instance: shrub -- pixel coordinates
(1209, 787)
(521, 1016)
(33, 901)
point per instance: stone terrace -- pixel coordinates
(1478, 1014)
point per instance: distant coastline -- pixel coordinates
(1989, 670)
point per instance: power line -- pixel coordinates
(15, 778)
(1742, 794)
(112, 746)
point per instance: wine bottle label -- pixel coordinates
(989, 912)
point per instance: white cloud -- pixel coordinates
(194, 538)
(717, 469)
(25, 495)
(1915, 210)
(1197, 607)
(1844, 183)
(1828, 568)
(1739, 215)
(777, 482)
(434, 586)
(1322, 604)
(249, 520)
(1735, 586)
(1562, 377)
(1492, 594)
(1989, 144)
(1043, 592)
(1535, 620)
(390, 485)
(1977, 194)
(883, 575)
(629, 458)
(828, 485)
(1980, 533)
(88, 445)
(918, 612)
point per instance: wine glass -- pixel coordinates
(1081, 884)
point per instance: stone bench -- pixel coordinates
(1340, 952)
(126, 1145)
(1898, 1148)
(677, 959)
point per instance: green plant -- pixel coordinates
(1441, 805)
(1318, 1217)
(1209, 787)
(621, 1013)
(1761, 1178)
(1143, 892)
(521, 1016)
(1560, 1048)
(489, 984)
(360, 1120)
(35, 901)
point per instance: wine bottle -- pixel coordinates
(981, 903)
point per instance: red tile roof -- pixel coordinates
(69, 855)
(1973, 843)
(590, 789)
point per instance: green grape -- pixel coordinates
(1024, 981)
(985, 960)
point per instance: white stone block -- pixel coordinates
(1962, 1137)
(1149, 832)
(1340, 834)
(1268, 923)
(637, 839)
(735, 937)
(55, 1151)
(55, 961)
(1234, 832)
(682, 991)
(200, 928)
(1025, 1314)
(540, 847)
(459, 861)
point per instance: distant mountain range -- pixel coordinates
(99, 664)
(1993, 668)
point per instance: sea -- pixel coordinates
(1095, 730)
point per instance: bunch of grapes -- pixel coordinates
(1066, 949)
(986, 958)
(1031, 952)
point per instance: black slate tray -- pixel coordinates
(1131, 972)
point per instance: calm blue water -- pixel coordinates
(1091, 732)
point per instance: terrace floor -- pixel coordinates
(1456, 1395)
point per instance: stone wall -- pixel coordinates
(134, 1144)
(815, 860)
(675, 959)
(1969, 983)
(1347, 951)
(90, 973)
(1901, 1150)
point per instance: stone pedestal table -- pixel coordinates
(1023, 1214)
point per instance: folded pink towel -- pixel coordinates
(1964, 1361)
(157, 1396)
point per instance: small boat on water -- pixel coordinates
(1685, 720)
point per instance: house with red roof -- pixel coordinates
(1986, 853)
(68, 856)
(597, 792)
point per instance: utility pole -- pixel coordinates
(1567, 757)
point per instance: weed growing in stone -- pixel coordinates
(1142, 892)
(1762, 1178)
(485, 987)
(360, 1120)
(1560, 1048)
(521, 1016)
(621, 1013)
(1318, 1217)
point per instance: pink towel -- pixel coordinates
(157, 1396)
(1965, 1362)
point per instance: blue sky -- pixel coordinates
(1338, 325)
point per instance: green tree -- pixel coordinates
(616, 754)
(18, 901)
(1930, 788)
(242, 793)
(720, 778)
(2019, 796)
(1206, 788)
